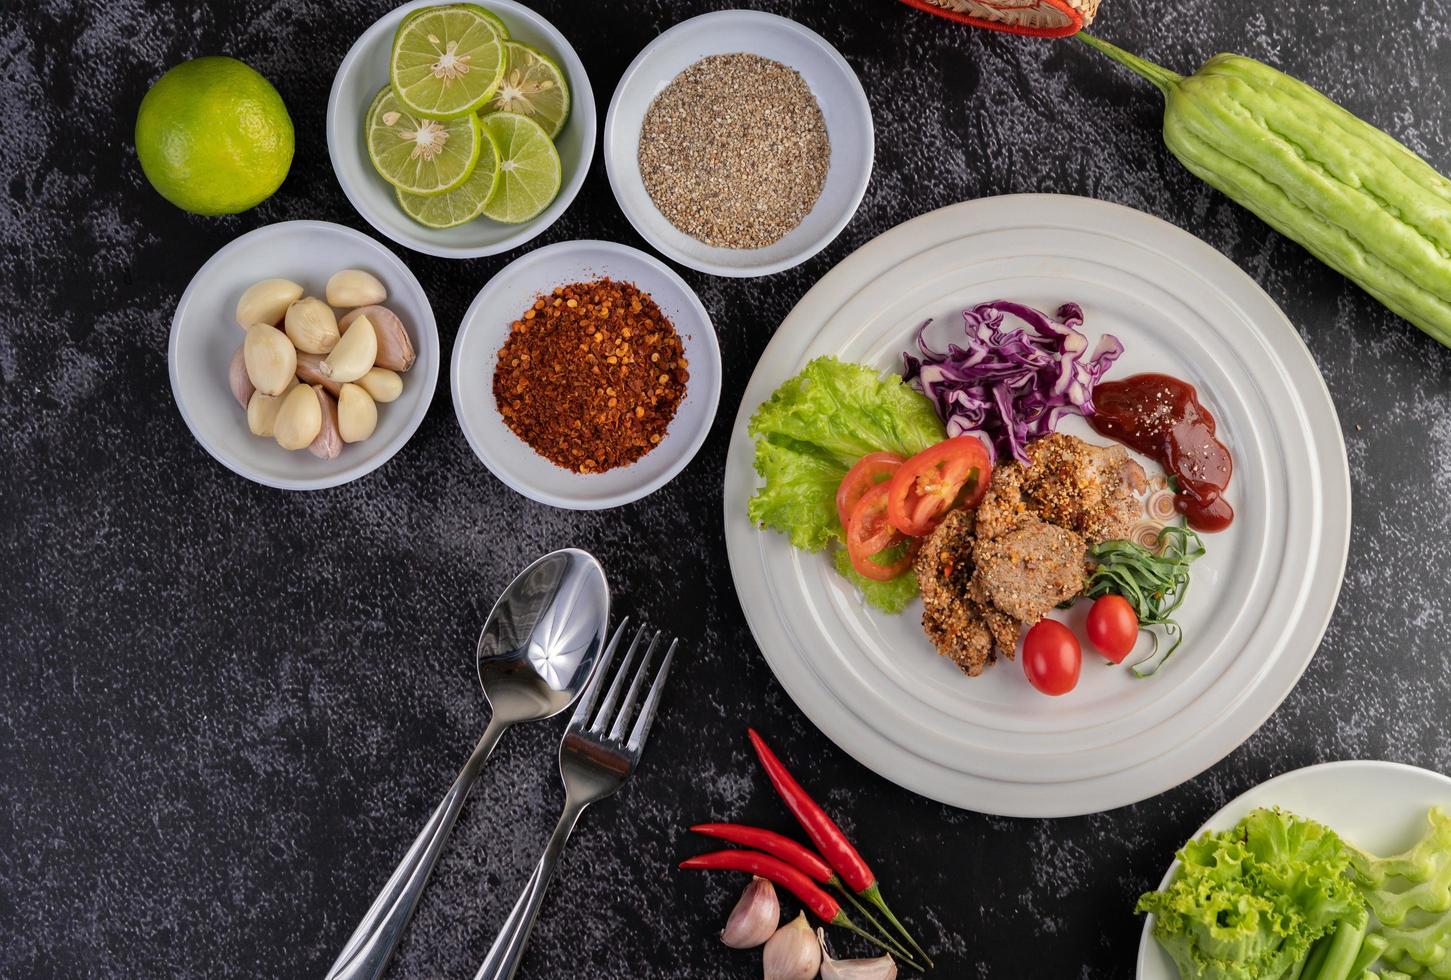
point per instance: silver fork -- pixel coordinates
(593, 765)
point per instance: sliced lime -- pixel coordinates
(497, 22)
(529, 170)
(416, 154)
(463, 203)
(446, 61)
(533, 86)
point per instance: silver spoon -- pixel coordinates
(536, 654)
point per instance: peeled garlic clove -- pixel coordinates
(312, 326)
(270, 359)
(357, 415)
(881, 968)
(237, 380)
(299, 420)
(395, 350)
(262, 413)
(383, 385)
(329, 441)
(792, 953)
(354, 287)
(309, 371)
(267, 301)
(755, 917)
(354, 354)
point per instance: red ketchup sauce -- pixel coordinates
(1162, 418)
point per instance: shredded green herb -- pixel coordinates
(1153, 582)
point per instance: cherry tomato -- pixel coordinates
(1052, 657)
(1113, 627)
(870, 470)
(868, 533)
(954, 473)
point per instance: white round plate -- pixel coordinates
(1380, 807)
(485, 327)
(365, 70)
(844, 107)
(205, 335)
(1261, 598)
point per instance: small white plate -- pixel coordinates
(365, 70)
(205, 335)
(485, 327)
(1262, 595)
(1378, 806)
(844, 105)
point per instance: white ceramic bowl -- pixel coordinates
(205, 335)
(485, 327)
(843, 104)
(365, 70)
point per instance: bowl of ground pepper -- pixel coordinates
(739, 143)
(586, 374)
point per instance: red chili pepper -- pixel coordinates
(795, 881)
(798, 856)
(828, 837)
(822, 830)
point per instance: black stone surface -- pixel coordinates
(226, 710)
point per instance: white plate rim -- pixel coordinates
(581, 95)
(428, 377)
(766, 21)
(852, 732)
(1263, 794)
(712, 395)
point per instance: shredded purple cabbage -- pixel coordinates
(1012, 384)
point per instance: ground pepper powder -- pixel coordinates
(591, 375)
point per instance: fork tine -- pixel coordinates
(607, 706)
(652, 702)
(602, 667)
(628, 705)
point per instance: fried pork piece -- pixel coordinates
(1027, 572)
(1072, 484)
(951, 620)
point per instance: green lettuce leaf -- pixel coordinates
(1410, 894)
(848, 410)
(1249, 903)
(810, 432)
(890, 597)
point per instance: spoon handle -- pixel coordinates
(372, 943)
(504, 956)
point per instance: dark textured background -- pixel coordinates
(226, 710)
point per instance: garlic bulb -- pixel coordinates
(792, 953)
(881, 968)
(755, 917)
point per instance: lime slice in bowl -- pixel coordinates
(446, 61)
(417, 154)
(495, 21)
(463, 203)
(533, 86)
(529, 171)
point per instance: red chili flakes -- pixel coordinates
(591, 375)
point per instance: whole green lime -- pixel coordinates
(213, 136)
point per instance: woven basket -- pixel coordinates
(1044, 18)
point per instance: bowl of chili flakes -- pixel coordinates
(586, 375)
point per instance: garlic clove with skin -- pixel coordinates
(395, 349)
(881, 968)
(792, 953)
(755, 917)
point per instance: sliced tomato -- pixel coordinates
(869, 533)
(870, 470)
(954, 473)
